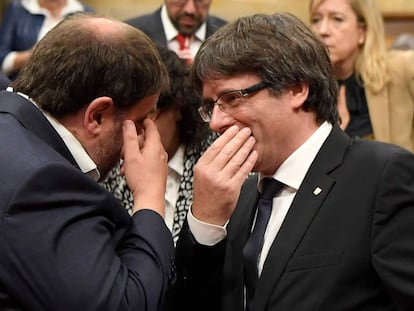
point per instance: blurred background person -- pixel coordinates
(376, 86)
(24, 23)
(181, 25)
(184, 136)
(404, 41)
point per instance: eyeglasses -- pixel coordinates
(196, 2)
(228, 101)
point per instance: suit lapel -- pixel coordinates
(34, 121)
(157, 30)
(308, 200)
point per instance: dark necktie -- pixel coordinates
(184, 47)
(254, 243)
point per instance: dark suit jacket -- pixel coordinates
(4, 81)
(350, 247)
(66, 244)
(151, 25)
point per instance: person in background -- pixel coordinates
(376, 98)
(404, 41)
(184, 136)
(181, 25)
(83, 99)
(24, 23)
(327, 223)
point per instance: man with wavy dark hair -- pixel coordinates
(327, 221)
(81, 103)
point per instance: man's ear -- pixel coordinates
(299, 93)
(98, 114)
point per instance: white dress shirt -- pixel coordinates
(291, 173)
(82, 159)
(171, 32)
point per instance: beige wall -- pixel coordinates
(231, 9)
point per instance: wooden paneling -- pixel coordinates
(231, 9)
(399, 14)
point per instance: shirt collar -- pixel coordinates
(176, 163)
(170, 30)
(84, 161)
(293, 170)
(33, 7)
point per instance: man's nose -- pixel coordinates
(190, 6)
(220, 120)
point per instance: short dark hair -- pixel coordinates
(182, 95)
(281, 49)
(77, 62)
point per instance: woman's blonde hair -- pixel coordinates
(370, 64)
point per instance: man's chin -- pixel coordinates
(188, 30)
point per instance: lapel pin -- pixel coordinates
(317, 191)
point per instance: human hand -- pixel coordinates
(145, 166)
(220, 173)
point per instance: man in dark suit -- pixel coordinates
(188, 18)
(66, 243)
(340, 233)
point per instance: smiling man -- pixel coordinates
(327, 221)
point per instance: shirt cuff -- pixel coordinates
(205, 233)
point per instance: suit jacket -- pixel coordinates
(349, 247)
(151, 25)
(66, 244)
(4, 81)
(392, 108)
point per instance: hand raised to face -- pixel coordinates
(220, 173)
(145, 166)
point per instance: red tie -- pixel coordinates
(184, 44)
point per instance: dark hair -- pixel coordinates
(79, 60)
(182, 95)
(281, 49)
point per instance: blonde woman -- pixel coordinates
(376, 98)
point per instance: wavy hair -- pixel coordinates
(182, 95)
(281, 49)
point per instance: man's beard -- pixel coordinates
(109, 151)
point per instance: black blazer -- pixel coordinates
(151, 25)
(66, 243)
(4, 81)
(350, 247)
